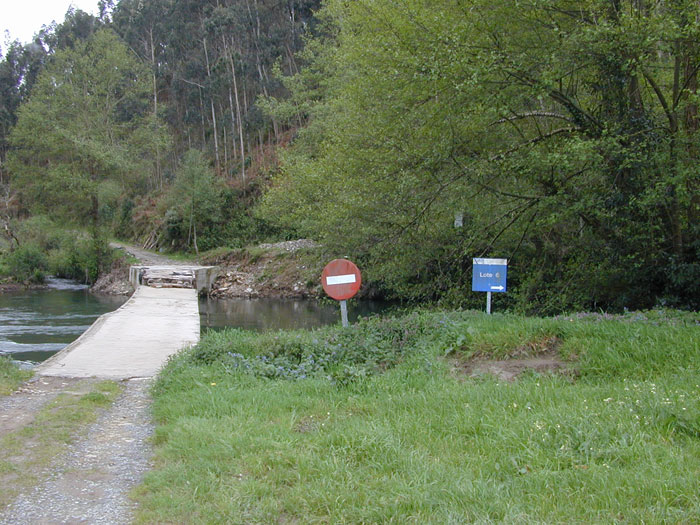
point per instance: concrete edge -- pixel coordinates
(85, 335)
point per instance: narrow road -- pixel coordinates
(148, 258)
(90, 481)
(133, 341)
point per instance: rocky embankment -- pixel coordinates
(116, 282)
(288, 269)
(282, 270)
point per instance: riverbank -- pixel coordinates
(433, 417)
(11, 376)
(284, 270)
(16, 287)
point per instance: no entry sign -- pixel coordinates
(341, 279)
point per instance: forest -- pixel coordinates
(410, 136)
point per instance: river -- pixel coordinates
(35, 324)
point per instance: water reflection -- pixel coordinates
(278, 314)
(35, 324)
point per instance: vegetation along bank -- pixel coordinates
(410, 137)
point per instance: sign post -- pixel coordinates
(489, 275)
(341, 280)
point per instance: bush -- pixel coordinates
(366, 348)
(83, 259)
(26, 264)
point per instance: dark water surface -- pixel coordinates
(279, 314)
(35, 324)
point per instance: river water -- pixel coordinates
(35, 324)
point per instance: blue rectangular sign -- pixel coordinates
(489, 275)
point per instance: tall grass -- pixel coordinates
(11, 376)
(406, 439)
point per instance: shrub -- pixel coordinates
(342, 355)
(26, 264)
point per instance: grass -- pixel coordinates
(385, 431)
(27, 451)
(11, 376)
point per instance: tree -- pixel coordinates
(196, 198)
(18, 73)
(566, 132)
(84, 125)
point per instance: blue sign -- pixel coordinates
(489, 275)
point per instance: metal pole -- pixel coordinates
(488, 303)
(344, 312)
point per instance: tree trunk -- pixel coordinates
(159, 177)
(213, 112)
(238, 111)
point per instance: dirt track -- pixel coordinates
(90, 481)
(148, 258)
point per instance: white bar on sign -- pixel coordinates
(341, 279)
(498, 262)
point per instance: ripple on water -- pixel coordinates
(35, 324)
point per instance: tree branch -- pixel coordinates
(662, 100)
(544, 114)
(533, 141)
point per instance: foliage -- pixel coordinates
(80, 129)
(209, 62)
(25, 264)
(366, 348)
(631, 346)
(196, 201)
(565, 135)
(422, 443)
(18, 72)
(46, 247)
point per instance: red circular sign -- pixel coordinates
(341, 279)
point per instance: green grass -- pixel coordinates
(11, 376)
(387, 432)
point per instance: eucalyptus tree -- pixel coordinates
(143, 25)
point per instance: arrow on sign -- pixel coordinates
(497, 287)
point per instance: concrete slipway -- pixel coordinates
(133, 341)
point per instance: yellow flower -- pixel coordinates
(213, 384)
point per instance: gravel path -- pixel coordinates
(19, 409)
(148, 258)
(91, 482)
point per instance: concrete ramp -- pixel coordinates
(133, 341)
